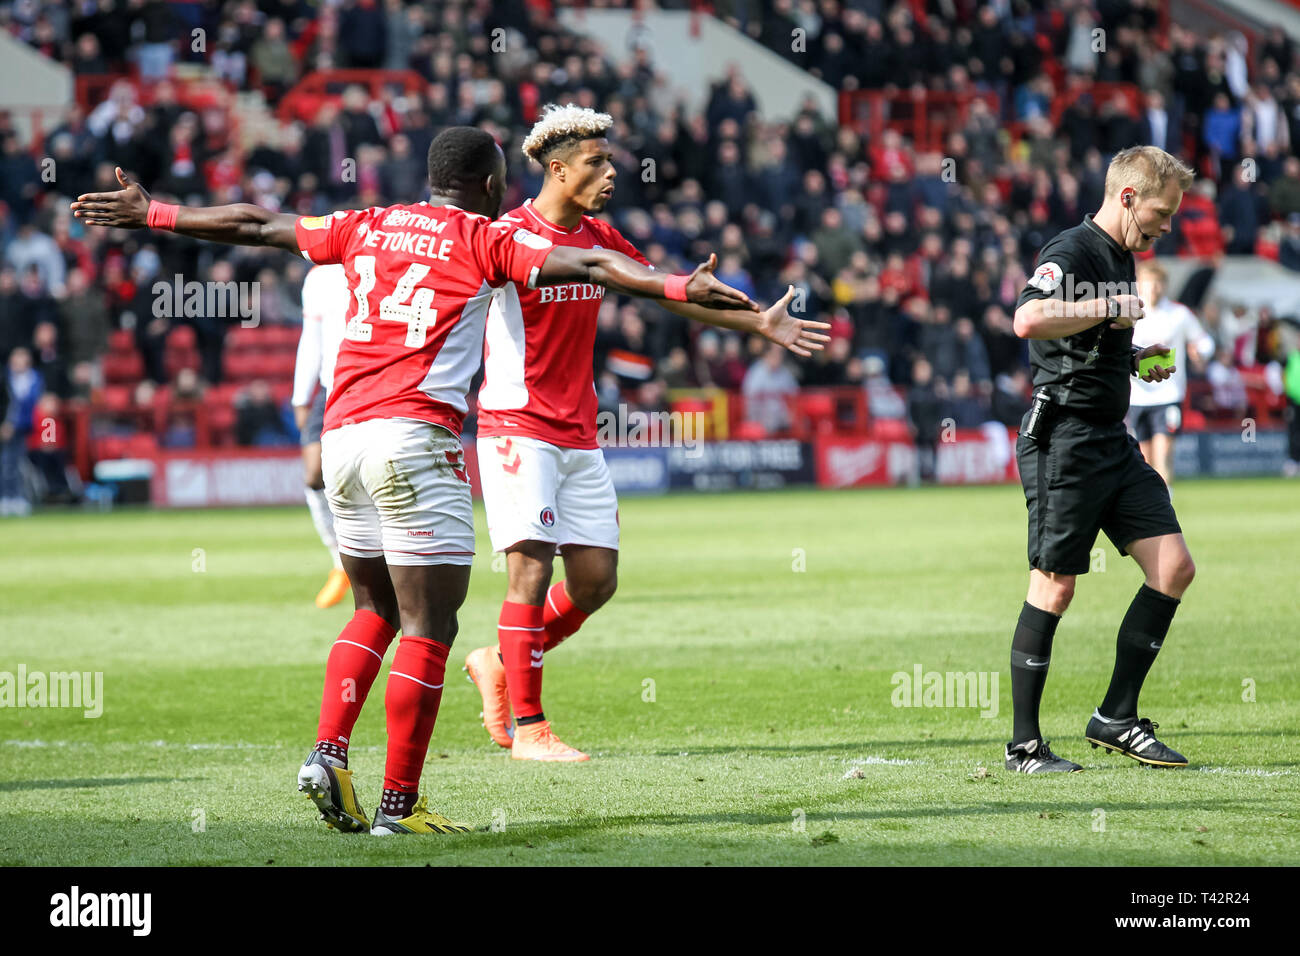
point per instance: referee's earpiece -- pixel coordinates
(1128, 199)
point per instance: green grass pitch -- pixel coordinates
(736, 695)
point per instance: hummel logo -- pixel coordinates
(537, 655)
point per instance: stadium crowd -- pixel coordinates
(915, 254)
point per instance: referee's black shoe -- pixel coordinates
(1133, 737)
(1034, 756)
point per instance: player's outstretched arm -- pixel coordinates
(775, 323)
(624, 275)
(241, 224)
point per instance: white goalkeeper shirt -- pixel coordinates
(1175, 325)
(325, 300)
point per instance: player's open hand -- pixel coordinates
(1130, 310)
(703, 288)
(128, 208)
(1158, 373)
(779, 326)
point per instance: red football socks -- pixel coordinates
(353, 663)
(561, 617)
(521, 637)
(411, 705)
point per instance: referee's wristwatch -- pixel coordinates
(1133, 352)
(1112, 307)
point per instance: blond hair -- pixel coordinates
(564, 124)
(1146, 169)
(1154, 269)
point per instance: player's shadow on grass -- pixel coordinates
(851, 749)
(1027, 803)
(78, 782)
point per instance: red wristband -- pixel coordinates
(161, 215)
(675, 288)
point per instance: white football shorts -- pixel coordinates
(536, 491)
(398, 489)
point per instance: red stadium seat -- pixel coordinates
(121, 340)
(141, 446)
(890, 429)
(123, 367)
(175, 360)
(749, 431)
(115, 399)
(182, 338)
(242, 366)
(239, 338)
(815, 412)
(109, 448)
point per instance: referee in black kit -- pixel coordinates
(1081, 471)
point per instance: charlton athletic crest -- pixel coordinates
(548, 517)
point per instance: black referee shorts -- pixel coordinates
(1149, 420)
(315, 424)
(1084, 478)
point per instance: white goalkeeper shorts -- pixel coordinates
(398, 489)
(536, 491)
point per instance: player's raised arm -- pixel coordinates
(625, 275)
(241, 224)
(775, 323)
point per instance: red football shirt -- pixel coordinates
(540, 344)
(421, 279)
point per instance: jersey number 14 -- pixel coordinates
(418, 314)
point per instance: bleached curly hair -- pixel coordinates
(564, 126)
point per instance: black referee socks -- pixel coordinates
(1140, 636)
(1031, 651)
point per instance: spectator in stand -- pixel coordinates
(972, 357)
(16, 322)
(965, 406)
(1265, 135)
(32, 249)
(1291, 388)
(88, 59)
(159, 27)
(767, 387)
(1241, 211)
(48, 361)
(925, 413)
(675, 369)
(20, 181)
(271, 57)
(1223, 130)
(1288, 250)
(363, 33)
(1284, 193)
(1158, 126)
(257, 420)
(884, 399)
(45, 449)
(24, 388)
(832, 367)
(1010, 398)
(1228, 388)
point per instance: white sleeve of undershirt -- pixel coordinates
(306, 369)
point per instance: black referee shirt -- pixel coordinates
(1088, 372)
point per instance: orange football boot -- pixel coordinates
(488, 674)
(537, 742)
(336, 586)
